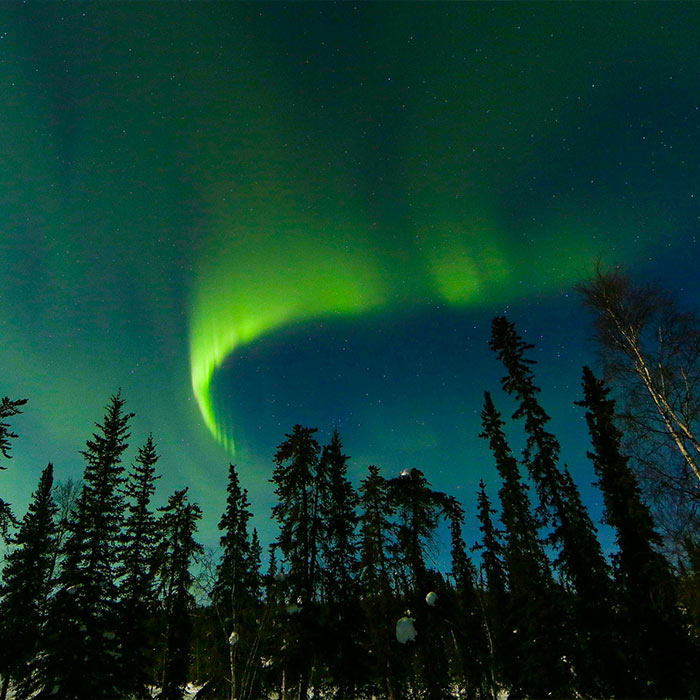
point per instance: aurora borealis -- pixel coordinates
(253, 215)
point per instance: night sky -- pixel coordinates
(254, 215)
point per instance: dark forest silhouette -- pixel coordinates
(101, 604)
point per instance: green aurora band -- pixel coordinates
(251, 288)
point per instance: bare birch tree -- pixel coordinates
(651, 355)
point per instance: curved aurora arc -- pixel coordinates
(241, 297)
(326, 195)
(251, 285)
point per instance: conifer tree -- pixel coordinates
(531, 656)
(296, 482)
(580, 558)
(659, 652)
(419, 509)
(253, 681)
(236, 593)
(492, 548)
(494, 597)
(25, 588)
(469, 629)
(177, 524)
(345, 662)
(379, 602)
(65, 495)
(272, 627)
(256, 564)
(137, 572)
(83, 624)
(8, 408)
(523, 555)
(376, 533)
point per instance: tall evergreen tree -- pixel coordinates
(345, 660)
(491, 547)
(381, 606)
(376, 533)
(659, 658)
(25, 588)
(532, 655)
(272, 627)
(83, 625)
(523, 554)
(178, 524)
(8, 408)
(419, 510)
(471, 636)
(494, 597)
(253, 681)
(137, 573)
(236, 594)
(296, 483)
(580, 558)
(65, 494)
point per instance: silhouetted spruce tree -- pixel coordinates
(272, 626)
(137, 598)
(25, 587)
(419, 510)
(580, 558)
(345, 658)
(65, 494)
(494, 596)
(8, 408)
(661, 661)
(81, 659)
(532, 652)
(236, 595)
(177, 525)
(296, 483)
(256, 563)
(491, 547)
(381, 606)
(473, 662)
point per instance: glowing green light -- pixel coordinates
(253, 283)
(245, 293)
(465, 263)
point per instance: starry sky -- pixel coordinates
(254, 215)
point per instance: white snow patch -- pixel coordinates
(405, 631)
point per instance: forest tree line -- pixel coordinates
(98, 590)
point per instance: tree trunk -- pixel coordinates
(671, 421)
(304, 686)
(232, 667)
